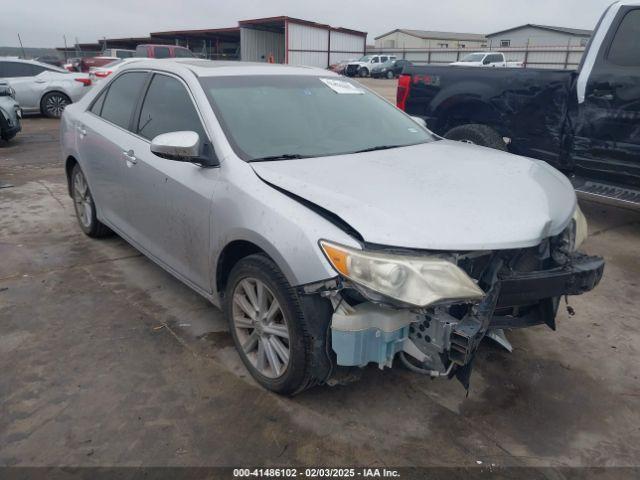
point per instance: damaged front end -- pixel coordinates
(433, 310)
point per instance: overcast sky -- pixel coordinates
(42, 23)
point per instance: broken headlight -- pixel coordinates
(581, 228)
(417, 281)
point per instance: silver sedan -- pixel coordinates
(43, 88)
(334, 230)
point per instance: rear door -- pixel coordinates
(169, 202)
(104, 140)
(607, 124)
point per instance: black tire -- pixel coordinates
(363, 72)
(390, 75)
(478, 135)
(4, 129)
(53, 103)
(92, 227)
(299, 372)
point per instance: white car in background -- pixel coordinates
(486, 59)
(363, 66)
(43, 88)
(100, 73)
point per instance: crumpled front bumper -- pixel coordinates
(438, 338)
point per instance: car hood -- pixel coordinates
(441, 195)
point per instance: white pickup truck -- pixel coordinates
(486, 59)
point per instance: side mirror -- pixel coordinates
(7, 91)
(420, 121)
(182, 147)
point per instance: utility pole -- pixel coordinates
(65, 48)
(21, 47)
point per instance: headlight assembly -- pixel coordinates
(582, 229)
(417, 281)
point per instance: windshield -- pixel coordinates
(365, 59)
(306, 116)
(473, 57)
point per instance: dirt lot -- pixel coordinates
(107, 360)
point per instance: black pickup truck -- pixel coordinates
(585, 123)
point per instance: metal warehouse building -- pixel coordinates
(278, 39)
(539, 35)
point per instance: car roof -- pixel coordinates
(32, 62)
(215, 68)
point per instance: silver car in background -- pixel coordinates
(10, 113)
(333, 230)
(43, 88)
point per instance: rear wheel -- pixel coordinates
(478, 135)
(267, 325)
(390, 75)
(363, 72)
(85, 206)
(53, 104)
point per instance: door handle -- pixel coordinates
(130, 157)
(39, 81)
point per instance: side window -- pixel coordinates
(141, 51)
(625, 47)
(494, 58)
(161, 52)
(120, 100)
(167, 108)
(37, 70)
(3, 70)
(97, 104)
(383, 59)
(375, 60)
(17, 69)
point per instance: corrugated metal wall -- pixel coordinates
(308, 45)
(345, 46)
(257, 45)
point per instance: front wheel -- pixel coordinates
(53, 104)
(268, 327)
(478, 135)
(363, 72)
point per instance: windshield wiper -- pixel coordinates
(379, 147)
(283, 156)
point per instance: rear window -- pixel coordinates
(625, 48)
(161, 52)
(183, 53)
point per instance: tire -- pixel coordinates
(85, 207)
(477, 134)
(254, 334)
(363, 72)
(53, 103)
(390, 75)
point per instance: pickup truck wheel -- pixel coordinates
(268, 326)
(85, 206)
(363, 72)
(478, 135)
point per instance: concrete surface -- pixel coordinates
(107, 360)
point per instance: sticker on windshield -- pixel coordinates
(342, 86)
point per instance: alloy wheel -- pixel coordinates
(261, 327)
(82, 200)
(55, 104)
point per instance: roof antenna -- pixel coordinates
(22, 47)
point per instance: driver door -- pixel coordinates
(169, 202)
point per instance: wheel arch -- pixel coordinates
(236, 250)
(69, 163)
(467, 110)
